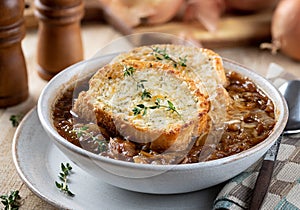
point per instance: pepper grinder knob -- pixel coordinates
(13, 72)
(59, 35)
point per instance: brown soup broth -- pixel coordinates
(251, 118)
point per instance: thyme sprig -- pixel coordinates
(63, 176)
(162, 54)
(142, 109)
(128, 71)
(84, 133)
(11, 201)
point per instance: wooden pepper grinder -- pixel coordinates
(13, 72)
(59, 35)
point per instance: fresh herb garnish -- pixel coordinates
(162, 54)
(146, 94)
(139, 109)
(182, 61)
(142, 109)
(140, 84)
(128, 71)
(63, 176)
(172, 108)
(16, 119)
(83, 132)
(11, 201)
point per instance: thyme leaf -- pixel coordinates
(63, 176)
(140, 83)
(172, 107)
(136, 111)
(11, 201)
(162, 54)
(142, 109)
(146, 94)
(182, 61)
(128, 71)
(16, 119)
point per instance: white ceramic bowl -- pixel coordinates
(157, 179)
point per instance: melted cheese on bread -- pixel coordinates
(169, 119)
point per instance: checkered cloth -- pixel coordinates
(284, 189)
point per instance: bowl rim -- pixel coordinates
(49, 128)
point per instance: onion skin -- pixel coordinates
(249, 5)
(136, 12)
(286, 28)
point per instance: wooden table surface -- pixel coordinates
(96, 36)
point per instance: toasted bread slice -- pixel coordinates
(197, 63)
(202, 65)
(145, 102)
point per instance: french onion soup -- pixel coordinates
(165, 104)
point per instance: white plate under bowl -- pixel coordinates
(38, 161)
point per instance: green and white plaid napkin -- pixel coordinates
(284, 189)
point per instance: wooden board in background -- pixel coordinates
(233, 30)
